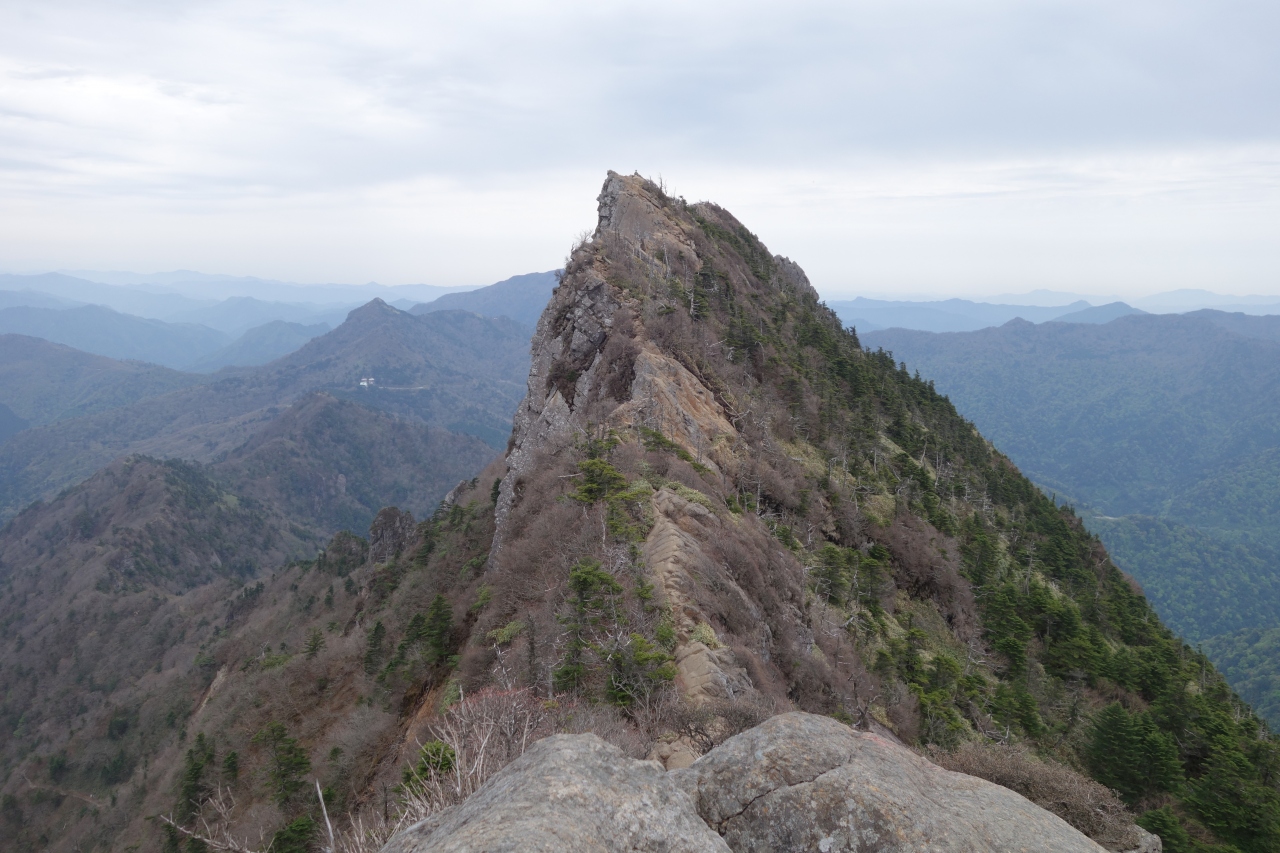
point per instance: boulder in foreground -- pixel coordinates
(796, 782)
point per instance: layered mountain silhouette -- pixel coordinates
(451, 370)
(520, 298)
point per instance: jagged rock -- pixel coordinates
(806, 782)
(390, 532)
(570, 794)
(1147, 843)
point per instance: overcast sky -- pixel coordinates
(889, 147)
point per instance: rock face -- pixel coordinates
(570, 794)
(796, 782)
(390, 532)
(805, 782)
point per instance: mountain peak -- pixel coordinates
(374, 308)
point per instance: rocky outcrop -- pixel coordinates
(390, 533)
(675, 558)
(797, 782)
(806, 782)
(568, 794)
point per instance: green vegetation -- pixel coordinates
(595, 596)
(287, 764)
(1250, 659)
(194, 787)
(1163, 427)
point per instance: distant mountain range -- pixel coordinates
(451, 370)
(520, 298)
(1165, 431)
(170, 319)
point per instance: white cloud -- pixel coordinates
(915, 144)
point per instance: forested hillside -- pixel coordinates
(43, 382)
(1165, 430)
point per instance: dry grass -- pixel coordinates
(1090, 807)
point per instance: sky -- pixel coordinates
(904, 149)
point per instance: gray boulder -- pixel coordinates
(570, 794)
(806, 782)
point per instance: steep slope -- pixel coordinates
(102, 331)
(452, 370)
(707, 462)
(1164, 428)
(520, 298)
(102, 592)
(715, 506)
(43, 382)
(161, 598)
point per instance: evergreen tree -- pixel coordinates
(437, 630)
(192, 787)
(593, 592)
(289, 762)
(315, 642)
(1129, 754)
(373, 650)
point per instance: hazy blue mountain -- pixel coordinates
(142, 303)
(947, 315)
(259, 345)
(1099, 313)
(102, 331)
(450, 369)
(42, 382)
(1122, 415)
(520, 298)
(1266, 327)
(206, 286)
(238, 314)
(33, 299)
(10, 423)
(1045, 298)
(1186, 300)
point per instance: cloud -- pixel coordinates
(199, 117)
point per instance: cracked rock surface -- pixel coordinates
(797, 782)
(571, 794)
(807, 782)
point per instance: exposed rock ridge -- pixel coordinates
(570, 338)
(797, 782)
(570, 369)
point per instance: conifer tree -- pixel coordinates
(437, 632)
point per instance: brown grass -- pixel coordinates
(1090, 807)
